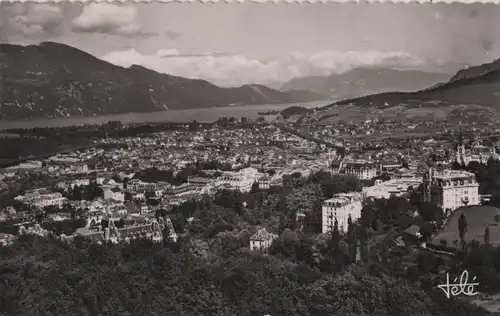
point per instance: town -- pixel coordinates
(259, 182)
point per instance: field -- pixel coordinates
(406, 112)
(478, 218)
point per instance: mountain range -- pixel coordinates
(56, 80)
(479, 85)
(364, 81)
(471, 94)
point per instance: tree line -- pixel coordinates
(211, 271)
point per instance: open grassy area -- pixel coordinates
(478, 218)
(408, 112)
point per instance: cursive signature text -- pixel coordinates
(462, 287)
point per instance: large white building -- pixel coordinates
(340, 207)
(42, 198)
(363, 169)
(242, 180)
(396, 187)
(451, 189)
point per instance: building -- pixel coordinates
(390, 166)
(396, 187)
(185, 188)
(151, 229)
(51, 199)
(264, 182)
(261, 240)
(364, 170)
(340, 207)
(93, 235)
(31, 164)
(477, 153)
(33, 230)
(242, 180)
(114, 194)
(42, 198)
(79, 183)
(336, 165)
(451, 189)
(93, 218)
(199, 182)
(6, 239)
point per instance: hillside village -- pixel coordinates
(157, 186)
(136, 177)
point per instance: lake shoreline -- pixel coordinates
(202, 115)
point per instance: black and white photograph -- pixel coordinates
(249, 159)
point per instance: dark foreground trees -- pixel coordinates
(48, 277)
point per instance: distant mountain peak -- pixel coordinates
(362, 81)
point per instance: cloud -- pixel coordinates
(109, 19)
(175, 54)
(234, 69)
(32, 20)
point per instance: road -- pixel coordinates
(306, 135)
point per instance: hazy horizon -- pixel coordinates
(245, 43)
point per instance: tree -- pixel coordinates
(128, 196)
(333, 184)
(152, 202)
(362, 233)
(150, 194)
(255, 188)
(495, 200)
(46, 276)
(412, 273)
(456, 165)
(304, 199)
(497, 218)
(462, 227)
(431, 212)
(335, 237)
(392, 209)
(351, 239)
(367, 215)
(92, 191)
(335, 252)
(487, 235)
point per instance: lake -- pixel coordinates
(205, 115)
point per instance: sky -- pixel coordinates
(266, 43)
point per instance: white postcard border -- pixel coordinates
(259, 1)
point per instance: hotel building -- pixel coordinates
(363, 169)
(451, 189)
(340, 207)
(242, 180)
